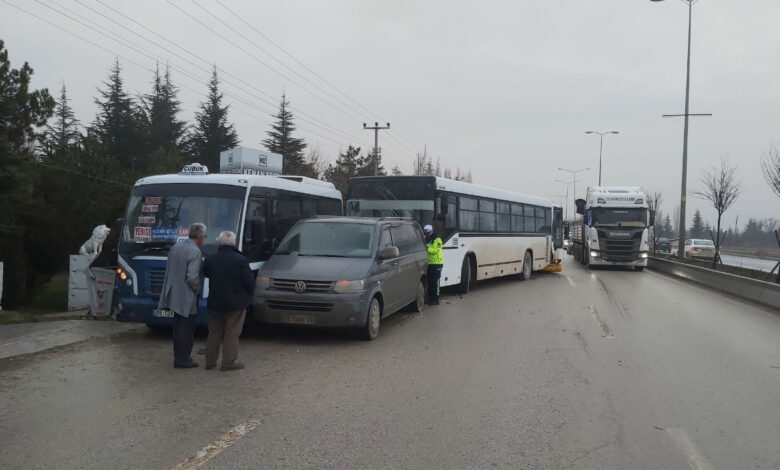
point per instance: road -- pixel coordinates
(761, 264)
(583, 369)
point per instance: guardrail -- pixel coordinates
(762, 292)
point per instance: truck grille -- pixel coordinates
(619, 250)
(155, 280)
(311, 286)
(300, 306)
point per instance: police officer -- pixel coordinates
(435, 263)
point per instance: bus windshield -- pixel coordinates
(396, 197)
(603, 216)
(158, 215)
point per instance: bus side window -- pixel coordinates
(257, 245)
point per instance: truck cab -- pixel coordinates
(615, 223)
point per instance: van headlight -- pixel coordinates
(349, 287)
(263, 282)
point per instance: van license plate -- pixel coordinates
(299, 319)
(162, 313)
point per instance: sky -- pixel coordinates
(505, 89)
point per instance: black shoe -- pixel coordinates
(186, 365)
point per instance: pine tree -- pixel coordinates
(163, 129)
(396, 171)
(64, 131)
(280, 140)
(697, 229)
(117, 124)
(349, 164)
(21, 111)
(212, 133)
(667, 230)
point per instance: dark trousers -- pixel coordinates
(224, 328)
(434, 275)
(183, 338)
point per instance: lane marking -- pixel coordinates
(218, 445)
(571, 281)
(684, 442)
(603, 324)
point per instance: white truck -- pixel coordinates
(615, 227)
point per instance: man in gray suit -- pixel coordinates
(180, 293)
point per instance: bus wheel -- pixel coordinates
(465, 276)
(527, 267)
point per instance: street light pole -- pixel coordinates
(574, 177)
(683, 186)
(566, 206)
(601, 145)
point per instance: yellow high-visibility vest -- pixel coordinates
(435, 252)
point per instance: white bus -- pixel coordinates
(259, 209)
(486, 232)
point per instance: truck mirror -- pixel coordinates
(580, 203)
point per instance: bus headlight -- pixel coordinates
(349, 287)
(263, 282)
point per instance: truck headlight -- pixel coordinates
(349, 287)
(594, 254)
(643, 255)
(263, 282)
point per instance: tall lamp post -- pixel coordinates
(683, 189)
(574, 177)
(601, 145)
(566, 205)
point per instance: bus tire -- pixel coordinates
(528, 267)
(465, 276)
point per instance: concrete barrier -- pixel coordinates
(765, 293)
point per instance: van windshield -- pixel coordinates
(334, 239)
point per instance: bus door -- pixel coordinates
(257, 243)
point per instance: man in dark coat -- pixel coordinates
(231, 291)
(180, 293)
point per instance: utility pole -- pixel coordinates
(686, 115)
(376, 128)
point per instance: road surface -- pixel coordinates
(583, 369)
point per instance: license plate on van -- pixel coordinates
(159, 313)
(299, 319)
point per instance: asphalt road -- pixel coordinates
(604, 369)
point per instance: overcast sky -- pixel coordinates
(506, 89)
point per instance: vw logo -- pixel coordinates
(300, 286)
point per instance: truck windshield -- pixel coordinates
(619, 217)
(392, 197)
(158, 215)
(343, 240)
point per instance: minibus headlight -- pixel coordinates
(263, 282)
(349, 287)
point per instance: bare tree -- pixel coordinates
(316, 161)
(420, 164)
(719, 185)
(770, 166)
(654, 200)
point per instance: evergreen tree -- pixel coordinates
(117, 124)
(396, 171)
(667, 230)
(280, 140)
(212, 133)
(64, 131)
(697, 229)
(21, 111)
(349, 164)
(163, 129)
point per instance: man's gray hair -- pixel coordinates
(197, 230)
(227, 238)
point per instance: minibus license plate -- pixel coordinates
(163, 313)
(299, 319)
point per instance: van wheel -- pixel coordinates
(419, 301)
(371, 329)
(465, 276)
(528, 267)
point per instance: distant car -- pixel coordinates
(663, 244)
(699, 248)
(344, 272)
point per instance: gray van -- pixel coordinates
(343, 272)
